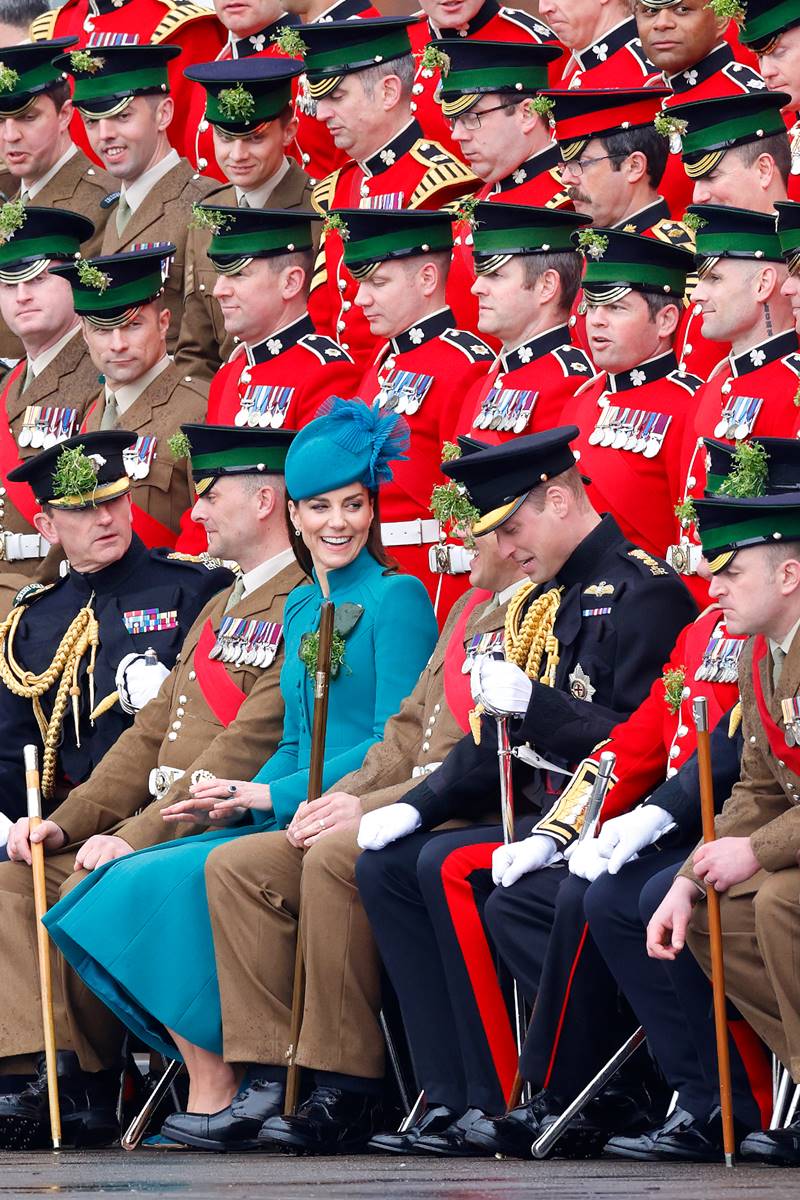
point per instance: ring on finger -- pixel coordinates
(232, 788)
(322, 822)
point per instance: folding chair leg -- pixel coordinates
(780, 1099)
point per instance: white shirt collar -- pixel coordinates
(137, 192)
(259, 196)
(265, 571)
(39, 364)
(30, 192)
(130, 392)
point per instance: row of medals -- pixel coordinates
(44, 427)
(738, 418)
(508, 409)
(790, 711)
(264, 407)
(403, 391)
(246, 642)
(632, 429)
(721, 660)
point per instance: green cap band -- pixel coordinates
(335, 61)
(738, 244)
(31, 81)
(770, 23)
(262, 241)
(55, 246)
(435, 237)
(530, 240)
(265, 108)
(761, 528)
(636, 274)
(494, 79)
(101, 87)
(273, 459)
(128, 295)
(765, 122)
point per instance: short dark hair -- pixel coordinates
(20, 13)
(778, 552)
(656, 303)
(374, 542)
(643, 139)
(567, 265)
(295, 258)
(777, 146)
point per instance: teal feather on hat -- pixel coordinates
(357, 426)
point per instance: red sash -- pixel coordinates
(220, 693)
(20, 494)
(775, 736)
(456, 684)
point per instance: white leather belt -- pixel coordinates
(161, 779)
(16, 546)
(684, 557)
(424, 769)
(409, 533)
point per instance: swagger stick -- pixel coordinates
(318, 729)
(700, 714)
(31, 759)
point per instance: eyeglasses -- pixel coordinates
(578, 166)
(472, 120)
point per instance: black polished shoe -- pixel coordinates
(233, 1128)
(330, 1121)
(435, 1119)
(779, 1147)
(88, 1108)
(626, 1110)
(682, 1138)
(452, 1141)
(512, 1134)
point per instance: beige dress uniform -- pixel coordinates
(78, 185)
(256, 885)
(162, 202)
(178, 731)
(761, 915)
(203, 344)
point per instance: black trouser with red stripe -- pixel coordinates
(425, 896)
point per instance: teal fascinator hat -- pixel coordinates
(348, 441)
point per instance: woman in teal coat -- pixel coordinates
(137, 930)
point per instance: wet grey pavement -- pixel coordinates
(240, 1177)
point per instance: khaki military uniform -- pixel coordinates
(165, 490)
(761, 915)
(69, 382)
(164, 216)
(203, 344)
(257, 884)
(178, 731)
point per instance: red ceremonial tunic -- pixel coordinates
(614, 60)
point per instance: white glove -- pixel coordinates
(510, 863)
(623, 837)
(586, 861)
(5, 825)
(385, 825)
(499, 686)
(138, 681)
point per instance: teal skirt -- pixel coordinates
(138, 933)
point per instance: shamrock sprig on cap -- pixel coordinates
(86, 62)
(290, 42)
(12, 218)
(92, 277)
(749, 472)
(75, 473)
(236, 103)
(9, 78)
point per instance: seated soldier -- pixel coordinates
(772, 31)
(604, 41)
(219, 712)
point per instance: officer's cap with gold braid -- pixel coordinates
(501, 231)
(789, 233)
(374, 235)
(30, 238)
(765, 21)
(109, 290)
(81, 472)
(498, 480)
(108, 77)
(581, 115)
(472, 68)
(242, 234)
(218, 450)
(618, 263)
(26, 71)
(333, 49)
(713, 127)
(724, 232)
(242, 94)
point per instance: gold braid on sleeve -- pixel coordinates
(82, 635)
(528, 641)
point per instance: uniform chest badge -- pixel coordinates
(244, 642)
(404, 391)
(264, 407)
(507, 409)
(150, 620)
(483, 643)
(790, 712)
(720, 663)
(43, 426)
(139, 457)
(599, 589)
(580, 685)
(738, 418)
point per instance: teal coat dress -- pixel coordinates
(137, 930)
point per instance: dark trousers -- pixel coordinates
(673, 1000)
(424, 897)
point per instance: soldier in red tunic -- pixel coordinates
(528, 271)
(773, 32)
(400, 262)
(606, 51)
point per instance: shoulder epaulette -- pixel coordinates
(469, 344)
(637, 50)
(442, 171)
(324, 348)
(179, 14)
(320, 274)
(31, 593)
(745, 78)
(203, 562)
(525, 21)
(323, 192)
(692, 383)
(573, 360)
(43, 27)
(675, 233)
(452, 206)
(792, 361)
(648, 563)
(561, 198)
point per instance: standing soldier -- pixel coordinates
(252, 133)
(120, 298)
(45, 395)
(772, 32)
(527, 273)
(101, 24)
(123, 97)
(604, 40)
(400, 261)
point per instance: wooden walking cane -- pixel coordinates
(700, 714)
(320, 720)
(31, 760)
